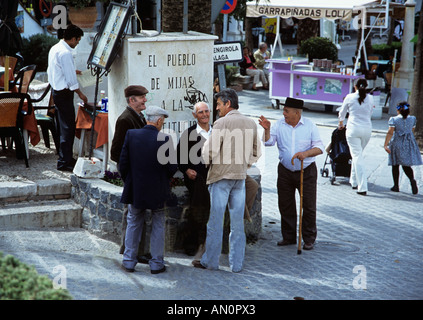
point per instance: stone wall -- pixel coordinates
(103, 212)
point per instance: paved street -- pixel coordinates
(367, 247)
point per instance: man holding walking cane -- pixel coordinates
(299, 142)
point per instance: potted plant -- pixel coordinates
(319, 48)
(82, 13)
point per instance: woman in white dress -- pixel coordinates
(359, 105)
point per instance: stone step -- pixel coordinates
(49, 189)
(40, 214)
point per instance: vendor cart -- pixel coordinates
(293, 76)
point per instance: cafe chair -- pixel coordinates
(47, 120)
(23, 79)
(12, 65)
(12, 62)
(11, 121)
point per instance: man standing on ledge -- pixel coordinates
(146, 171)
(130, 118)
(62, 78)
(231, 148)
(297, 138)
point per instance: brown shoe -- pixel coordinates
(200, 252)
(286, 242)
(197, 264)
(308, 246)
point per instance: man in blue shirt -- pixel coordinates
(297, 138)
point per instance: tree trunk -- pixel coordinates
(416, 97)
(249, 40)
(199, 15)
(172, 15)
(307, 28)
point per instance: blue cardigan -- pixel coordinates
(147, 181)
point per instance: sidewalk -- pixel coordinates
(367, 247)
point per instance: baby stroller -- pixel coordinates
(338, 156)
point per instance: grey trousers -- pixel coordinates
(144, 246)
(134, 228)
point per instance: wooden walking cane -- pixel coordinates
(301, 208)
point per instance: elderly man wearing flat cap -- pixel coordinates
(147, 163)
(131, 118)
(298, 140)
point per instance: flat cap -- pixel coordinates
(294, 103)
(135, 91)
(156, 111)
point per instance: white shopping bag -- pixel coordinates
(88, 168)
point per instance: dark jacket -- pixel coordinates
(147, 181)
(129, 119)
(243, 65)
(191, 140)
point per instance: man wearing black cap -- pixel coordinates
(131, 118)
(297, 138)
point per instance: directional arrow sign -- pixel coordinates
(226, 52)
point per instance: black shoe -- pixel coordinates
(363, 193)
(308, 246)
(286, 242)
(355, 188)
(395, 189)
(414, 188)
(158, 271)
(145, 259)
(65, 168)
(126, 269)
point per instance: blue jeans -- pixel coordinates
(232, 193)
(135, 220)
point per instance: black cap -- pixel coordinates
(294, 103)
(135, 91)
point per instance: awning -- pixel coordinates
(301, 9)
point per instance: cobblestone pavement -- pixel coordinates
(367, 247)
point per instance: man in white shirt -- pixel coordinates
(191, 164)
(297, 138)
(62, 78)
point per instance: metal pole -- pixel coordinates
(134, 18)
(225, 26)
(158, 15)
(185, 25)
(98, 71)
